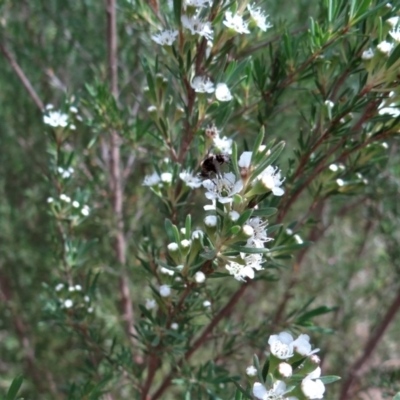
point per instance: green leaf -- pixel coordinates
(209, 255)
(265, 369)
(14, 388)
(330, 379)
(172, 231)
(317, 311)
(259, 140)
(242, 391)
(244, 217)
(234, 160)
(178, 11)
(249, 250)
(265, 212)
(188, 226)
(393, 57)
(396, 396)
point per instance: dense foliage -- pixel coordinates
(132, 268)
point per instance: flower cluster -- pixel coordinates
(288, 361)
(73, 297)
(72, 205)
(385, 47)
(58, 119)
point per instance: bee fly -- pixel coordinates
(212, 165)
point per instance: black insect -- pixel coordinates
(211, 165)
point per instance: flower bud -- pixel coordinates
(165, 290)
(285, 369)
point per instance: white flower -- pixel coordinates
(206, 303)
(302, 346)
(68, 303)
(395, 34)
(50, 199)
(200, 277)
(165, 290)
(239, 271)
(73, 109)
(285, 369)
(224, 145)
(210, 221)
(271, 179)
(90, 310)
(393, 22)
(392, 110)
(173, 246)
(235, 22)
(59, 287)
(56, 119)
(222, 188)
(166, 177)
(259, 18)
(259, 236)
(75, 204)
(385, 47)
(78, 287)
(174, 326)
(197, 26)
(251, 371)
(253, 260)
(340, 182)
(222, 92)
(87, 299)
(165, 38)
(276, 393)
(49, 107)
(65, 198)
(197, 234)
(312, 387)
(245, 159)
(166, 271)
(333, 167)
(212, 131)
(196, 3)
(190, 180)
(281, 345)
(248, 231)
(85, 210)
(234, 215)
(329, 103)
(368, 54)
(202, 84)
(151, 180)
(186, 243)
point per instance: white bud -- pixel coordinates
(165, 290)
(285, 369)
(199, 277)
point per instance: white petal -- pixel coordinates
(259, 390)
(277, 191)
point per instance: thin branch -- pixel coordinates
(369, 348)
(22, 77)
(116, 175)
(203, 337)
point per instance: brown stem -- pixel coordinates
(203, 337)
(22, 77)
(116, 175)
(369, 348)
